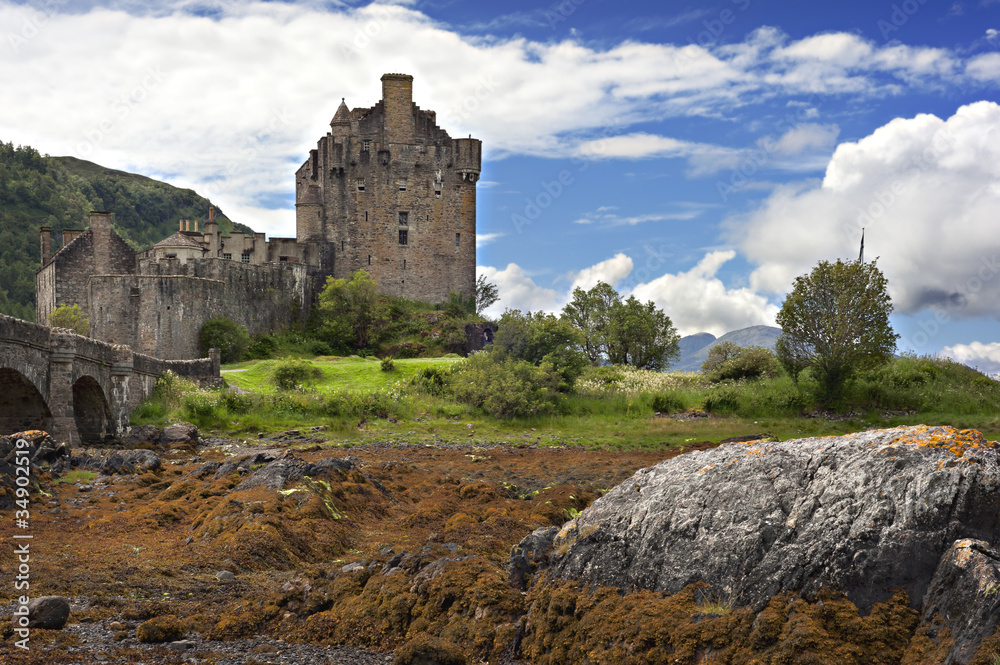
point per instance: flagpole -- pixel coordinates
(861, 256)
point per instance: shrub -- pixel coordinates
(292, 373)
(262, 347)
(667, 403)
(506, 388)
(318, 347)
(750, 363)
(430, 380)
(228, 336)
(407, 350)
(719, 354)
(71, 317)
(161, 629)
(388, 365)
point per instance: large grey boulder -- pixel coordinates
(864, 514)
(48, 612)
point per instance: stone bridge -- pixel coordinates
(76, 388)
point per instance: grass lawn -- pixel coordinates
(339, 374)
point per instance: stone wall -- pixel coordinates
(161, 310)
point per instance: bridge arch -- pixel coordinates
(22, 406)
(90, 410)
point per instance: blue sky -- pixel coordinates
(700, 155)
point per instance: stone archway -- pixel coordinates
(90, 411)
(22, 407)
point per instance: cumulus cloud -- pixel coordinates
(985, 357)
(698, 301)
(483, 239)
(925, 189)
(228, 98)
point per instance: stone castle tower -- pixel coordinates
(388, 191)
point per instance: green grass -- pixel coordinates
(612, 408)
(74, 476)
(339, 374)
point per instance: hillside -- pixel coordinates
(60, 192)
(693, 354)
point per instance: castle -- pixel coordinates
(386, 191)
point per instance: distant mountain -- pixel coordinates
(693, 352)
(60, 192)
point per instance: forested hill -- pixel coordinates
(60, 192)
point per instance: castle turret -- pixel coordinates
(309, 215)
(45, 237)
(397, 96)
(341, 123)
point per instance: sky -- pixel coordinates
(697, 154)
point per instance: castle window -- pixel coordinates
(228, 257)
(404, 218)
(361, 184)
(402, 236)
(342, 245)
(437, 189)
(369, 259)
(245, 257)
(458, 239)
(402, 184)
(366, 145)
(282, 259)
(404, 264)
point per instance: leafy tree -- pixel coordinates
(506, 388)
(487, 293)
(719, 354)
(354, 313)
(229, 337)
(641, 335)
(70, 316)
(539, 339)
(836, 321)
(748, 362)
(589, 311)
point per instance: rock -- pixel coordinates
(142, 436)
(182, 645)
(528, 555)
(863, 514)
(352, 567)
(275, 474)
(179, 433)
(225, 576)
(426, 649)
(42, 452)
(115, 626)
(108, 462)
(48, 612)
(965, 595)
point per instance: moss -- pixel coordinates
(161, 629)
(429, 650)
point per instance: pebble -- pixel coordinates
(225, 576)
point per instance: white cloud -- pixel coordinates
(610, 271)
(698, 301)
(985, 67)
(805, 137)
(237, 94)
(610, 219)
(518, 291)
(483, 239)
(927, 191)
(985, 357)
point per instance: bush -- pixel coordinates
(318, 347)
(430, 380)
(749, 363)
(407, 350)
(71, 317)
(292, 373)
(228, 336)
(506, 388)
(667, 403)
(388, 365)
(262, 347)
(774, 398)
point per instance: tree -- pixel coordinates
(487, 293)
(229, 337)
(70, 316)
(354, 313)
(589, 312)
(641, 335)
(836, 321)
(540, 339)
(719, 354)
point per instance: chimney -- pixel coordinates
(187, 224)
(211, 213)
(100, 220)
(196, 225)
(69, 235)
(45, 234)
(181, 225)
